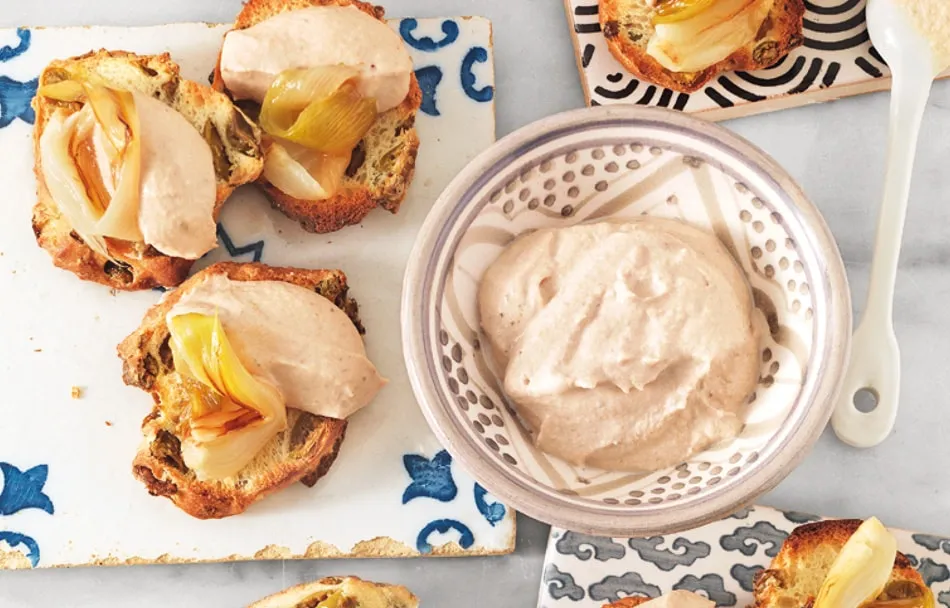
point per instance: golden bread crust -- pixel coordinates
(364, 593)
(628, 602)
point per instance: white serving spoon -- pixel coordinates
(875, 356)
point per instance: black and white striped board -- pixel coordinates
(836, 60)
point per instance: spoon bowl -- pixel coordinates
(905, 49)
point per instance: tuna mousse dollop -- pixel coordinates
(626, 346)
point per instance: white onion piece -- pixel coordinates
(709, 37)
(302, 173)
(225, 455)
(63, 182)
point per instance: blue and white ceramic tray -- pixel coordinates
(835, 60)
(67, 495)
(718, 561)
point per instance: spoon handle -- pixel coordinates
(911, 89)
(875, 358)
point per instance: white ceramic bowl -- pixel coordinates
(624, 162)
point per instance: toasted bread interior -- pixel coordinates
(233, 138)
(304, 452)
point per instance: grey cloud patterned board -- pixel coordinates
(835, 60)
(718, 561)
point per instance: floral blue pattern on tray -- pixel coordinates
(718, 561)
(392, 491)
(15, 96)
(22, 490)
(433, 479)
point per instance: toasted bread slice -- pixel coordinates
(383, 162)
(798, 571)
(355, 592)
(674, 598)
(628, 602)
(628, 27)
(303, 452)
(234, 141)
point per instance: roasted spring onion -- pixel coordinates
(303, 173)
(315, 116)
(860, 572)
(92, 162)
(233, 413)
(673, 11)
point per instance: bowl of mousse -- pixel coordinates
(626, 321)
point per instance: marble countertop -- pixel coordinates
(835, 150)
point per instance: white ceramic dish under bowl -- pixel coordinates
(623, 162)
